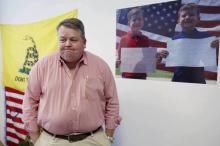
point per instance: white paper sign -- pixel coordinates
(191, 52)
(138, 60)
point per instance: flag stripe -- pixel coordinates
(157, 44)
(13, 104)
(203, 2)
(13, 131)
(12, 99)
(13, 135)
(18, 125)
(8, 89)
(209, 9)
(19, 130)
(210, 17)
(13, 113)
(208, 24)
(12, 141)
(14, 109)
(120, 33)
(214, 33)
(14, 119)
(15, 95)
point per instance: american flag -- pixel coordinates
(15, 132)
(161, 23)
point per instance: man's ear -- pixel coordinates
(85, 42)
(178, 20)
(128, 22)
(198, 18)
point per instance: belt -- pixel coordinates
(73, 137)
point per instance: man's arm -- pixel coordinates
(160, 55)
(118, 57)
(30, 104)
(112, 118)
(215, 44)
(109, 132)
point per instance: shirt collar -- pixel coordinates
(134, 36)
(192, 32)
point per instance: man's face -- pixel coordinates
(188, 19)
(71, 44)
(136, 23)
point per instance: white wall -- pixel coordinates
(2, 99)
(154, 113)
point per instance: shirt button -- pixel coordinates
(74, 107)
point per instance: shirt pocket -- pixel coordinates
(93, 88)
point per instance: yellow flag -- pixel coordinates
(24, 44)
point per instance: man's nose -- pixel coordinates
(187, 16)
(68, 43)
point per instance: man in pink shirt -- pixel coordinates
(71, 95)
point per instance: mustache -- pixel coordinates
(68, 49)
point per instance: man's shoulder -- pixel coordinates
(196, 35)
(177, 36)
(48, 58)
(91, 55)
(92, 58)
(125, 37)
(145, 39)
(202, 34)
(97, 64)
(44, 63)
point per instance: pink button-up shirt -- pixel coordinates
(64, 101)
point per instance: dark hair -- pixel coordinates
(135, 11)
(73, 23)
(189, 7)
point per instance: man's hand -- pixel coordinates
(215, 44)
(34, 137)
(118, 63)
(109, 132)
(161, 55)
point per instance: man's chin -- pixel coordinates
(71, 59)
(188, 28)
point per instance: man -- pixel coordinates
(188, 18)
(71, 94)
(135, 39)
